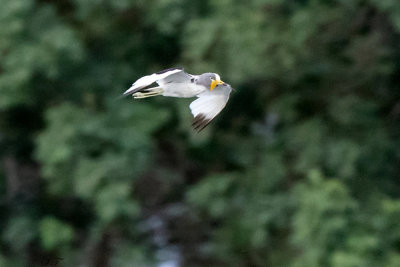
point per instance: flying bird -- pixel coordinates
(212, 93)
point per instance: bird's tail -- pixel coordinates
(148, 92)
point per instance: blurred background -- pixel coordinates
(302, 167)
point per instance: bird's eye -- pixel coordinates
(211, 78)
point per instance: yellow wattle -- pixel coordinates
(213, 85)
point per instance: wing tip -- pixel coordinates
(132, 89)
(200, 122)
(127, 92)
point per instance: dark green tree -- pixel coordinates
(300, 169)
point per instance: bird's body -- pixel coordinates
(184, 90)
(212, 93)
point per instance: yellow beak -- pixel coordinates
(214, 84)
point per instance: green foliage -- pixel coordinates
(54, 234)
(37, 40)
(322, 218)
(300, 169)
(20, 231)
(208, 194)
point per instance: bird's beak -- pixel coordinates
(214, 84)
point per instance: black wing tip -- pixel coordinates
(200, 122)
(170, 69)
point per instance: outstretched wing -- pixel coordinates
(161, 77)
(208, 105)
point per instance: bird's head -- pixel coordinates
(210, 80)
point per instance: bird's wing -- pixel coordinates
(161, 77)
(178, 77)
(208, 105)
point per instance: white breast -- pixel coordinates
(182, 89)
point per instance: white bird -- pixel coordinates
(212, 93)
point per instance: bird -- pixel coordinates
(211, 92)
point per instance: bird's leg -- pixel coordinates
(149, 92)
